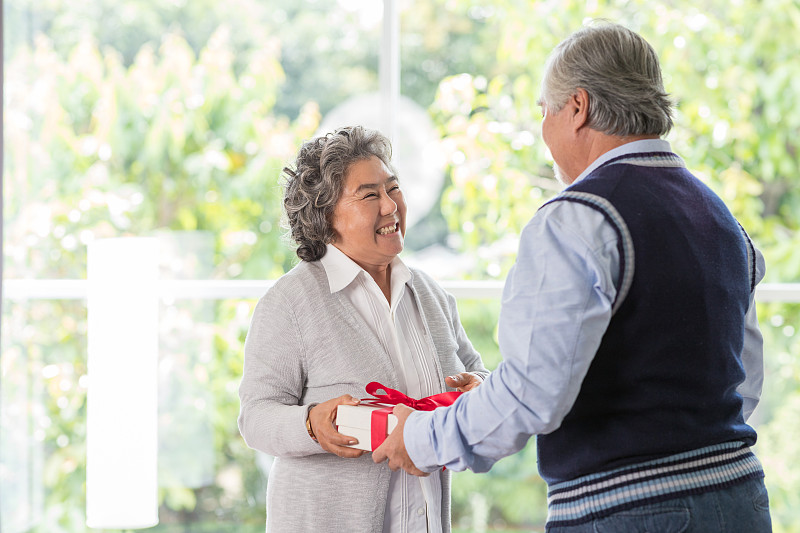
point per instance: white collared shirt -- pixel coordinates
(633, 147)
(413, 504)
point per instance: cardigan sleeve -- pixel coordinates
(466, 352)
(271, 417)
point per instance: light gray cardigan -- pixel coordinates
(306, 345)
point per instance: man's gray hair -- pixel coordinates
(620, 72)
(313, 187)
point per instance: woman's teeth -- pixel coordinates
(387, 230)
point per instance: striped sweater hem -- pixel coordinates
(698, 471)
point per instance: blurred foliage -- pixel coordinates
(328, 53)
(729, 69)
(778, 444)
(173, 142)
(141, 117)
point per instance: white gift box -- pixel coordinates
(356, 421)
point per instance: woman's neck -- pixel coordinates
(383, 277)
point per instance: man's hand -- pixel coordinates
(323, 418)
(394, 448)
(464, 381)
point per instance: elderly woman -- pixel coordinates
(349, 313)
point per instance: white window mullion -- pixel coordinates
(389, 68)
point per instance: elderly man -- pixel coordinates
(628, 327)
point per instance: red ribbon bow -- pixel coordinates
(394, 397)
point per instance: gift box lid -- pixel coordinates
(360, 416)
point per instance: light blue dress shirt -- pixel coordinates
(556, 307)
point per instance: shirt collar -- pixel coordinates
(341, 270)
(633, 147)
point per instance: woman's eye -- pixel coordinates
(395, 188)
(371, 195)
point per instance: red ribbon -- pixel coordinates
(380, 417)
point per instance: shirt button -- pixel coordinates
(421, 511)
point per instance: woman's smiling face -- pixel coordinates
(369, 219)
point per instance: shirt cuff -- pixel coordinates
(417, 438)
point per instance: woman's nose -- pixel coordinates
(388, 206)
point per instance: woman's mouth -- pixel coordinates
(387, 230)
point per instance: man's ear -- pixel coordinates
(579, 105)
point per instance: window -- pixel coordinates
(167, 124)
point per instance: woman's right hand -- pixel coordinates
(322, 418)
(463, 382)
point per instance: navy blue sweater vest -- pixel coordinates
(663, 380)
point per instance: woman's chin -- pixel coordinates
(393, 243)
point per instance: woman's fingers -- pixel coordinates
(464, 381)
(323, 423)
(346, 452)
(347, 400)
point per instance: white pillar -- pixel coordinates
(122, 408)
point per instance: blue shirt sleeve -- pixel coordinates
(753, 351)
(556, 305)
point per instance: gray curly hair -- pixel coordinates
(621, 73)
(313, 187)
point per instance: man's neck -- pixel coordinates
(605, 143)
(596, 144)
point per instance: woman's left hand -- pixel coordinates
(464, 381)
(322, 419)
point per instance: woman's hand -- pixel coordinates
(464, 381)
(322, 418)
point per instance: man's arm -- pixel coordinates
(753, 350)
(556, 307)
